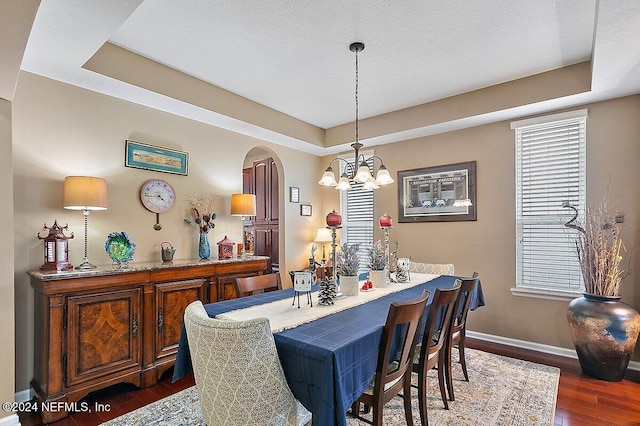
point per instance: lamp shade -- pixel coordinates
(323, 235)
(85, 193)
(243, 205)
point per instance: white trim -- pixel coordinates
(580, 113)
(24, 395)
(11, 420)
(540, 293)
(538, 347)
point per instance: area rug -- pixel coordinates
(500, 391)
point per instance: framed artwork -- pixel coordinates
(143, 156)
(294, 194)
(438, 194)
(305, 209)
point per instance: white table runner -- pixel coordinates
(283, 315)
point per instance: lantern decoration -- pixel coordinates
(56, 248)
(225, 248)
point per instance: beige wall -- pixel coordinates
(488, 244)
(7, 355)
(60, 130)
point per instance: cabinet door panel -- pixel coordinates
(171, 300)
(274, 241)
(261, 180)
(273, 202)
(103, 334)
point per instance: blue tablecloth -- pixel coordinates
(328, 362)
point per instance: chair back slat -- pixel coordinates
(399, 336)
(247, 286)
(467, 287)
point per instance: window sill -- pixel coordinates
(538, 293)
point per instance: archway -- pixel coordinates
(262, 175)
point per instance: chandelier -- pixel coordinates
(358, 170)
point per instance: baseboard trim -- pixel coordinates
(11, 420)
(24, 395)
(538, 347)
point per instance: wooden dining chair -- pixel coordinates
(431, 351)
(257, 284)
(238, 374)
(393, 370)
(458, 330)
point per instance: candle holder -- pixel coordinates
(386, 229)
(334, 265)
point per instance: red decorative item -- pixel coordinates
(385, 221)
(334, 219)
(225, 248)
(56, 248)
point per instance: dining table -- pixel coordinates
(328, 361)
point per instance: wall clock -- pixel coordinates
(157, 196)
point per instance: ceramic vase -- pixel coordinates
(349, 286)
(378, 278)
(604, 332)
(204, 249)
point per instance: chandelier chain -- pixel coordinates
(357, 138)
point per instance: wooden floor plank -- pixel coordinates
(582, 400)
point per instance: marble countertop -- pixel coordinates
(137, 267)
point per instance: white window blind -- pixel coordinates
(550, 169)
(356, 206)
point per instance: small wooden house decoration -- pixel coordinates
(225, 248)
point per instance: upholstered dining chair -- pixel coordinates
(458, 330)
(393, 370)
(431, 268)
(430, 352)
(238, 374)
(257, 284)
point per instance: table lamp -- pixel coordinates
(85, 193)
(323, 236)
(243, 205)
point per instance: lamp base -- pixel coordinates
(85, 265)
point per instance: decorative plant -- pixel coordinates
(348, 260)
(377, 259)
(599, 247)
(201, 210)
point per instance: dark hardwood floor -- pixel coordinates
(581, 401)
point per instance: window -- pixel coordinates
(550, 169)
(356, 206)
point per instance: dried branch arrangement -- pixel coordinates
(201, 210)
(599, 247)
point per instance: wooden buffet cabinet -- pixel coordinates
(100, 327)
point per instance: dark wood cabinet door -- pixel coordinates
(103, 334)
(274, 241)
(273, 196)
(247, 180)
(172, 298)
(261, 171)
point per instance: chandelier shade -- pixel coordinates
(359, 170)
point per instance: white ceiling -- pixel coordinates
(293, 56)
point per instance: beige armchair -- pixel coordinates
(431, 268)
(238, 373)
